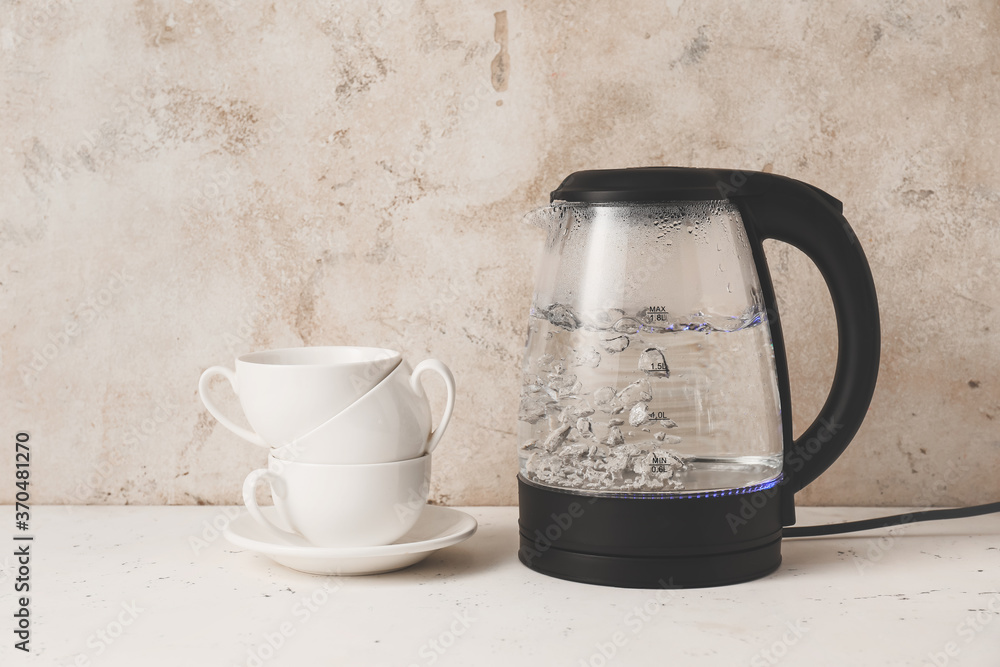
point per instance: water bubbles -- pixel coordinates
(575, 450)
(531, 410)
(639, 414)
(655, 469)
(668, 458)
(556, 438)
(615, 437)
(652, 362)
(546, 363)
(610, 464)
(588, 357)
(565, 417)
(570, 390)
(595, 399)
(615, 345)
(598, 449)
(627, 325)
(604, 398)
(639, 391)
(562, 316)
(549, 364)
(562, 382)
(653, 315)
(665, 423)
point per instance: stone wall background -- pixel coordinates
(187, 181)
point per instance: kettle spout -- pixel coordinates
(545, 217)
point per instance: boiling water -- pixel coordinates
(645, 403)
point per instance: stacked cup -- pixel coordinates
(350, 439)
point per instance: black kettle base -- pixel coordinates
(674, 542)
(631, 572)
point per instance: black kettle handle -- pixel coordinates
(783, 209)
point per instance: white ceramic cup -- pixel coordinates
(392, 422)
(285, 393)
(342, 505)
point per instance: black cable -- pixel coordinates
(887, 521)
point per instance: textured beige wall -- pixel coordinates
(186, 181)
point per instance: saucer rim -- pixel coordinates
(460, 534)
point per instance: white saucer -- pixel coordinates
(437, 528)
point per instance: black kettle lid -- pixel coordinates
(650, 184)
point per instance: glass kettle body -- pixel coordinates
(649, 367)
(655, 429)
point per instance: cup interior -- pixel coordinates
(333, 355)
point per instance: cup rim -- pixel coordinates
(270, 357)
(424, 458)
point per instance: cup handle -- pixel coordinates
(246, 434)
(278, 488)
(449, 381)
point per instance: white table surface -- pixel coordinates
(866, 599)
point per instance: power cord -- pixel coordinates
(887, 521)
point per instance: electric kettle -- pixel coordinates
(655, 429)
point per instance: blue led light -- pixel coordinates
(763, 486)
